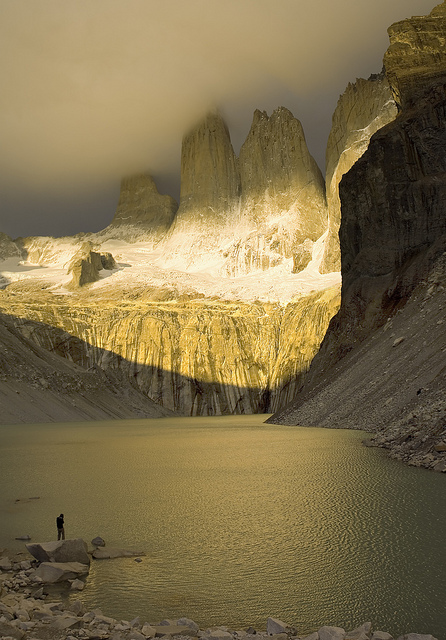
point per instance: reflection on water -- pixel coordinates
(239, 520)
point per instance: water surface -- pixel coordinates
(239, 520)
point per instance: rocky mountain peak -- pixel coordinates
(210, 183)
(364, 108)
(141, 205)
(416, 57)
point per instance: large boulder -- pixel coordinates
(60, 551)
(60, 571)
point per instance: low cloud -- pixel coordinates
(92, 91)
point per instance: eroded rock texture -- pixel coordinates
(210, 191)
(393, 242)
(37, 385)
(196, 358)
(416, 57)
(282, 194)
(364, 108)
(251, 213)
(141, 205)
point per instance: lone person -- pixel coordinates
(60, 527)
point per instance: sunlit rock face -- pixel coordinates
(197, 358)
(282, 209)
(37, 385)
(209, 198)
(141, 205)
(263, 210)
(416, 59)
(86, 265)
(387, 340)
(364, 108)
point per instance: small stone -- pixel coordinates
(275, 626)
(360, 633)
(98, 542)
(331, 633)
(148, 631)
(77, 585)
(381, 635)
(189, 623)
(398, 341)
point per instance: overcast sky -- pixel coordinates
(92, 90)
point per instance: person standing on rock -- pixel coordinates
(60, 527)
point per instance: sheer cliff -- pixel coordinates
(142, 211)
(364, 108)
(382, 364)
(219, 306)
(197, 357)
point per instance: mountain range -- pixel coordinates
(218, 304)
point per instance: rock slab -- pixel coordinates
(74, 550)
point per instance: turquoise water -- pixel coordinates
(239, 521)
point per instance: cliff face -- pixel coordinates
(209, 199)
(415, 59)
(263, 210)
(282, 208)
(364, 108)
(393, 242)
(36, 385)
(196, 358)
(141, 205)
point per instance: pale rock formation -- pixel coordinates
(74, 550)
(360, 633)
(364, 107)
(60, 571)
(274, 625)
(331, 633)
(86, 265)
(8, 248)
(142, 211)
(210, 192)
(282, 196)
(77, 585)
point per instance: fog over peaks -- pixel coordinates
(92, 91)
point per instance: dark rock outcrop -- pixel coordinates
(364, 108)
(393, 243)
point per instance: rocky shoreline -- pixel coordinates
(28, 612)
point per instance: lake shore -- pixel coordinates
(30, 610)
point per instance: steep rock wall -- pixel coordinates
(282, 208)
(364, 108)
(197, 358)
(37, 385)
(393, 244)
(141, 205)
(210, 192)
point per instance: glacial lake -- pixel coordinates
(239, 521)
